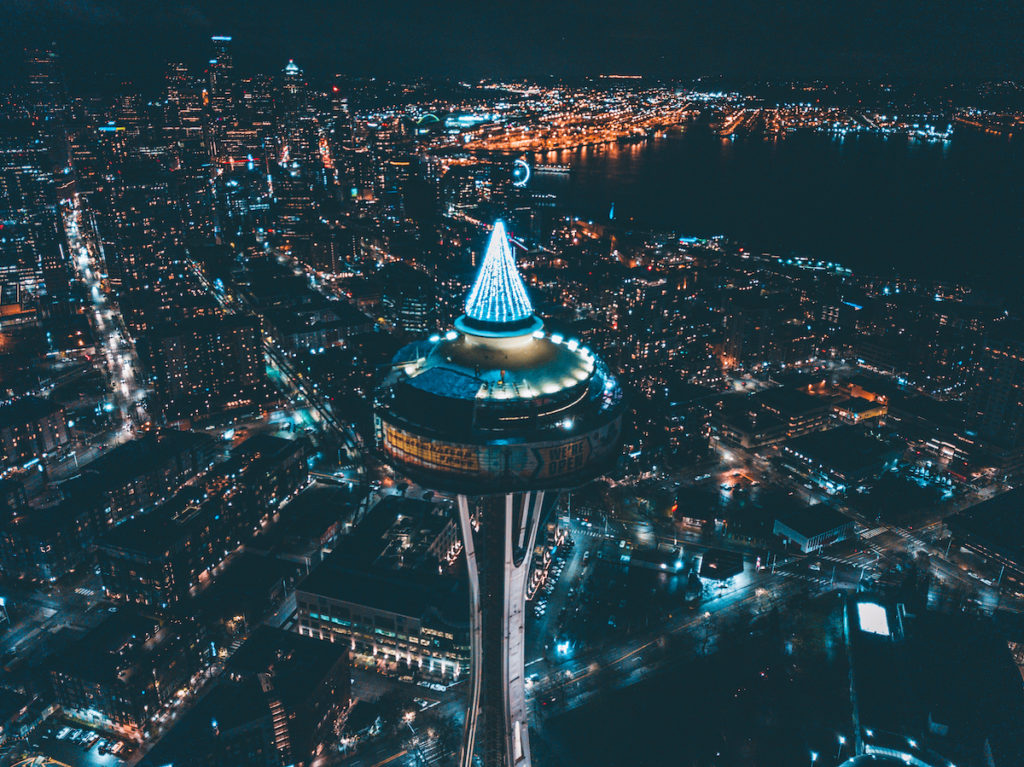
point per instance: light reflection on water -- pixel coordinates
(952, 208)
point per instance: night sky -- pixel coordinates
(915, 39)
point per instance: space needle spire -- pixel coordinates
(498, 294)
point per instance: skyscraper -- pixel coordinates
(293, 88)
(295, 118)
(183, 113)
(222, 75)
(221, 95)
(48, 100)
(32, 258)
(45, 78)
(502, 415)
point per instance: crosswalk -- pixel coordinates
(805, 577)
(856, 559)
(875, 548)
(838, 560)
(427, 752)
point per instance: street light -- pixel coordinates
(842, 742)
(814, 757)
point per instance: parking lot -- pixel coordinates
(76, 745)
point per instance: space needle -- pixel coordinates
(503, 415)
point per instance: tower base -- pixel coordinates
(499, 533)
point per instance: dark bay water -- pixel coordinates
(952, 210)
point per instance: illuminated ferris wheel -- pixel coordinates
(520, 172)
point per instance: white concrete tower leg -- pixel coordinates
(496, 721)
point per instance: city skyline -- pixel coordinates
(504, 421)
(685, 40)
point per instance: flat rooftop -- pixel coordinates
(789, 403)
(156, 532)
(413, 594)
(258, 452)
(997, 524)
(315, 513)
(141, 456)
(243, 587)
(269, 649)
(364, 570)
(719, 564)
(910, 670)
(416, 522)
(117, 646)
(857, 405)
(25, 410)
(848, 450)
(810, 521)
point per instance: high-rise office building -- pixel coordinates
(220, 95)
(298, 142)
(32, 256)
(45, 80)
(293, 88)
(221, 75)
(502, 415)
(48, 100)
(183, 105)
(293, 211)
